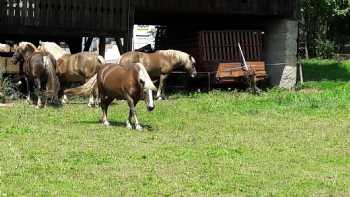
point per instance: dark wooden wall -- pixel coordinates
(65, 17)
(164, 8)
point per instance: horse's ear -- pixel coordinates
(15, 46)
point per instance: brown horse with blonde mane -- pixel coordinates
(78, 67)
(39, 67)
(160, 64)
(128, 82)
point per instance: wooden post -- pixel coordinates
(88, 44)
(301, 75)
(102, 46)
(119, 45)
(75, 45)
(131, 21)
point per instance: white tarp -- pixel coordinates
(5, 48)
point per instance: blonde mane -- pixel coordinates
(24, 44)
(54, 49)
(143, 75)
(178, 55)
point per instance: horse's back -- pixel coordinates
(115, 80)
(155, 63)
(79, 66)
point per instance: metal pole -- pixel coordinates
(242, 56)
(301, 75)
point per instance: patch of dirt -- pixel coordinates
(2, 104)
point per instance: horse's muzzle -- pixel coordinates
(150, 108)
(193, 75)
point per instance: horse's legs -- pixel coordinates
(132, 114)
(61, 95)
(96, 95)
(28, 90)
(160, 92)
(104, 106)
(91, 101)
(129, 120)
(93, 97)
(38, 92)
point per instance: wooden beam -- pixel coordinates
(119, 45)
(102, 46)
(88, 44)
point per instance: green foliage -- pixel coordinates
(326, 71)
(10, 89)
(317, 18)
(325, 48)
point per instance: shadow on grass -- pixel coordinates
(326, 70)
(114, 124)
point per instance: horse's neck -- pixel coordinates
(174, 62)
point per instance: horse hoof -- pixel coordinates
(160, 98)
(139, 128)
(128, 125)
(106, 123)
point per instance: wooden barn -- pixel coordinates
(69, 20)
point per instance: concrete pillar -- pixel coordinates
(280, 52)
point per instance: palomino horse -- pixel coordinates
(127, 82)
(78, 67)
(160, 64)
(40, 67)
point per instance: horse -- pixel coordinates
(121, 82)
(160, 64)
(79, 67)
(39, 67)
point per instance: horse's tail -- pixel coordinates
(53, 84)
(85, 89)
(101, 59)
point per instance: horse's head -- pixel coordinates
(22, 52)
(17, 56)
(189, 62)
(190, 66)
(147, 86)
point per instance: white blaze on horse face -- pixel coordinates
(149, 100)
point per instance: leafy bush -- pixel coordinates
(325, 49)
(10, 89)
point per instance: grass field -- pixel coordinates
(283, 143)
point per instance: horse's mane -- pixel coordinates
(143, 75)
(23, 44)
(178, 55)
(54, 49)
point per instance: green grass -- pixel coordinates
(283, 143)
